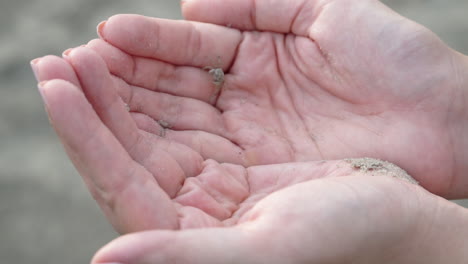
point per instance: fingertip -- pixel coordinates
(35, 68)
(52, 67)
(35, 61)
(94, 42)
(185, 246)
(116, 21)
(126, 30)
(123, 249)
(84, 57)
(69, 55)
(224, 13)
(104, 254)
(118, 62)
(55, 94)
(52, 86)
(184, 6)
(40, 87)
(100, 29)
(189, 9)
(194, 8)
(78, 50)
(66, 53)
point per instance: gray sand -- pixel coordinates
(46, 213)
(376, 167)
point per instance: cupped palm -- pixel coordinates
(351, 81)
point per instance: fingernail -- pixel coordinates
(40, 87)
(67, 52)
(100, 29)
(34, 66)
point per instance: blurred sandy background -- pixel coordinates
(46, 214)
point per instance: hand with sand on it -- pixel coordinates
(311, 212)
(147, 177)
(323, 218)
(314, 212)
(304, 80)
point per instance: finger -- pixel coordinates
(127, 193)
(52, 67)
(175, 42)
(156, 75)
(99, 88)
(148, 124)
(215, 191)
(221, 149)
(98, 85)
(187, 159)
(174, 112)
(212, 245)
(271, 15)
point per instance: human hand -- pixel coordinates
(307, 213)
(140, 180)
(315, 212)
(304, 80)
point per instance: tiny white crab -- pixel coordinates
(218, 80)
(217, 73)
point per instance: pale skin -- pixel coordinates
(323, 80)
(218, 81)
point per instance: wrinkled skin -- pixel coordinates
(326, 80)
(357, 80)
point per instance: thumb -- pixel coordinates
(211, 245)
(295, 16)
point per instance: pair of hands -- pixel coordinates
(305, 81)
